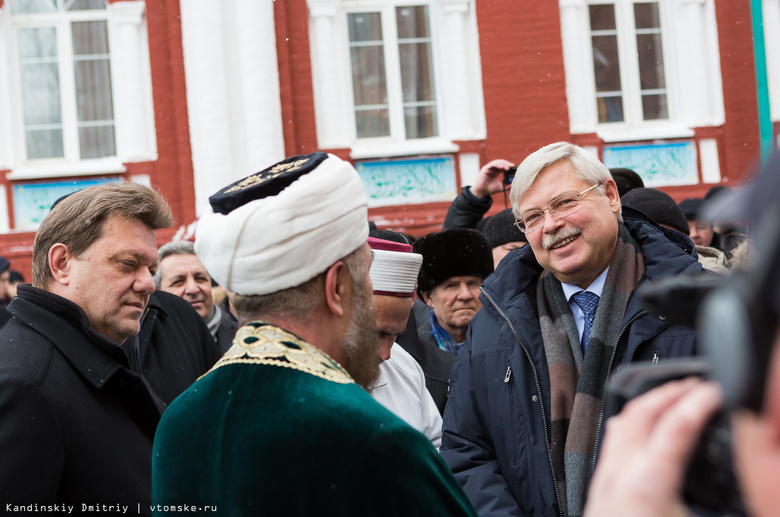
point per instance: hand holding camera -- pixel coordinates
(492, 178)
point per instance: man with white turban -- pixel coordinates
(281, 425)
(401, 384)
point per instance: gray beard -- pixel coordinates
(361, 340)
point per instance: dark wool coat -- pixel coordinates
(497, 418)
(77, 423)
(174, 347)
(435, 362)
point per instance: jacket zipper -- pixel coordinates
(606, 384)
(538, 390)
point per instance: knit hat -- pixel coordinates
(283, 226)
(455, 252)
(394, 269)
(4, 264)
(691, 207)
(659, 206)
(500, 229)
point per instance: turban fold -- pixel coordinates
(281, 227)
(395, 268)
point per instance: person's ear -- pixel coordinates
(338, 284)
(613, 196)
(427, 298)
(60, 259)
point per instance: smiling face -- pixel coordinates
(112, 280)
(185, 276)
(579, 247)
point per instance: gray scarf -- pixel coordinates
(576, 385)
(213, 321)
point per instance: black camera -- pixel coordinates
(509, 175)
(710, 483)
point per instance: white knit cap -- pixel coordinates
(283, 239)
(394, 268)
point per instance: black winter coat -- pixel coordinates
(466, 210)
(174, 347)
(77, 423)
(497, 418)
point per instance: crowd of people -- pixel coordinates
(304, 362)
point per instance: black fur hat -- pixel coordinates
(455, 252)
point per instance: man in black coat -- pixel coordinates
(174, 347)
(78, 417)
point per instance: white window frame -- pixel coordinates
(691, 62)
(61, 22)
(456, 68)
(134, 128)
(629, 66)
(390, 45)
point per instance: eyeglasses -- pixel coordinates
(561, 206)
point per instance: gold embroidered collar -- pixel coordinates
(262, 343)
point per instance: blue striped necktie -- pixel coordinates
(588, 302)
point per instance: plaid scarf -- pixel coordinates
(576, 385)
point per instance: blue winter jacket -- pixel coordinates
(496, 423)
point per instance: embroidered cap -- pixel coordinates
(283, 226)
(268, 182)
(395, 268)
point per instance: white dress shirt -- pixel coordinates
(569, 290)
(401, 389)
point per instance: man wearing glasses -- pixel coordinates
(525, 415)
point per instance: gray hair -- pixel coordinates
(587, 166)
(167, 250)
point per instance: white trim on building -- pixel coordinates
(233, 93)
(456, 69)
(692, 63)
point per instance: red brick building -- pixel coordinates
(418, 94)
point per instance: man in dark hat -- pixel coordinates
(700, 231)
(502, 234)
(559, 316)
(665, 211)
(282, 424)
(455, 262)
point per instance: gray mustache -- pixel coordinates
(563, 233)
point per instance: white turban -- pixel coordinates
(283, 240)
(395, 268)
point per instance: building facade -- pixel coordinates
(188, 96)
